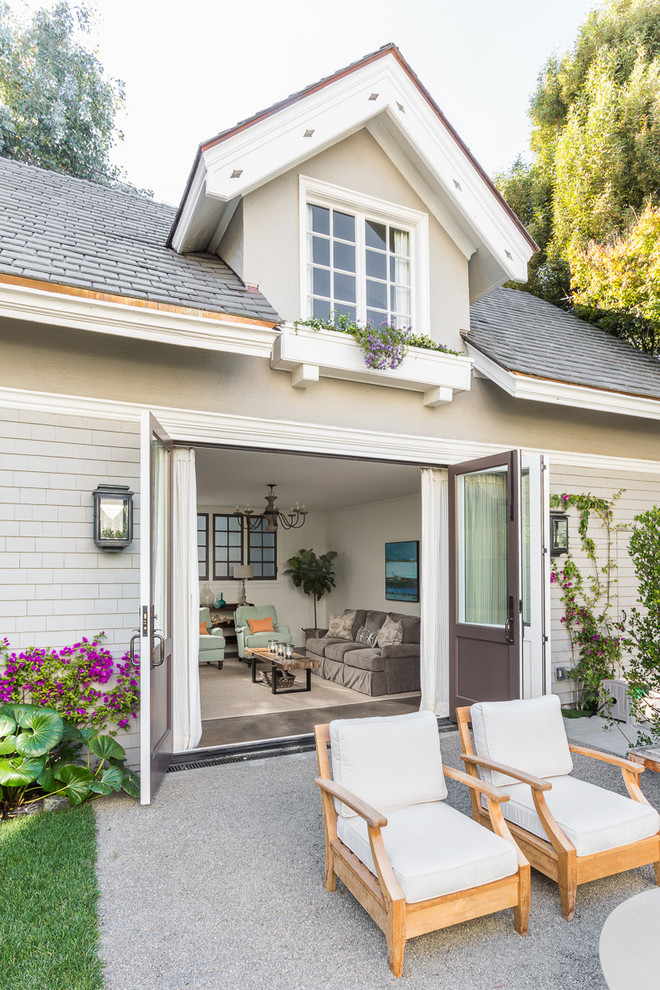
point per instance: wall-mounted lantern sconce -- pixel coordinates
(558, 533)
(113, 516)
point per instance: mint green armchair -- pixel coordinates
(211, 647)
(244, 638)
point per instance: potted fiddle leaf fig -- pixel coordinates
(314, 574)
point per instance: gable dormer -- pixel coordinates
(355, 195)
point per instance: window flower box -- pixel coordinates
(313, 354)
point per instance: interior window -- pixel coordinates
(262, 552)
(203, 545)
(227, 545)
(358, 267)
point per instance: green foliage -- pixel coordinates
(41, 754)
(596, 638)
(620, 282)
(596, 137)
(312, 573)
(48, 923)
(58, 109)
(643, 670)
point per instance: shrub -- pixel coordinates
(643, 672)
(75, 681)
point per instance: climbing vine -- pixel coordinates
(597, 638)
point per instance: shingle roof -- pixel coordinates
(72, 232)
(528, 335)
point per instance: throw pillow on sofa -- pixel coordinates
(390, 633)
(341, 626)
(261, 625)
(365, 637)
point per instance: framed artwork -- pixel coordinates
(402, 571)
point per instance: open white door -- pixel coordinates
(534, 576)
(156, 605)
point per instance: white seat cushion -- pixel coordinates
(434, 850)
(390, 761)
(592, 818)
(528, 735)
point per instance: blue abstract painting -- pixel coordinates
(402, 571)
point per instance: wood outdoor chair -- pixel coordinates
(570, 830)
(415, 865)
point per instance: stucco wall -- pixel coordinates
(75, 362)
(640, 493)
(271, 248)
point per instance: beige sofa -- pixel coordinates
(370, 670)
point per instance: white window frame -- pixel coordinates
(364, 207)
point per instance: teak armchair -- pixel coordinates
(570, 830)
(423, 865)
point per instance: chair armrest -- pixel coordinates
(217, 632)
(241, 629)
(616, 761)
(537, 783)
(400, 650)
(283, 629)
(374, 818)
(494, 793)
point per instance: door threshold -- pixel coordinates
(258, 749)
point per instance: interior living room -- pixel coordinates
(367, 663)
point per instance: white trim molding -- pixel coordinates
(311, 354)
(138, 322)
(203, 426)
(561, 393)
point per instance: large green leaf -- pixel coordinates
(106, 748)
(41, 729)
(98, 787)
(7, 745)
(131, 784)
(8, 716)
(47, 780)
(114, 776)
(77, 781)
(20, 771)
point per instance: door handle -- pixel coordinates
(131, 649)
(509, 625)
(161, 650)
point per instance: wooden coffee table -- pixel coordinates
(648, 756)
(297, 662)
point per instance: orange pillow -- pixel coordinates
(261, 625)
(203, 629)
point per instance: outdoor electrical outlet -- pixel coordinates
(560, 673)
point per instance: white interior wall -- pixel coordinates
(642, 491)
(294, 608)
(359, 534)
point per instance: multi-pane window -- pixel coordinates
(262, 552)
(203, 545)
(358, 267)
(227, 545)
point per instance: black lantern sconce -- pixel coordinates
(113, 516)
(558, 533)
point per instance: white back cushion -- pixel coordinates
(389, 762)
(528, 735)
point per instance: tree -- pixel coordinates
(596, 139)
(57, 107)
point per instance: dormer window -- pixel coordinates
(363, 258)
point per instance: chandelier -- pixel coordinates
(293, 519)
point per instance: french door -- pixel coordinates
(156, 605)
(498, 573)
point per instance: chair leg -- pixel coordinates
(568, 884)
(329, 876)
(521, 910)
(656, 867)
(396, 937)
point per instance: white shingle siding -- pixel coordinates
(642, 491)
(56, 586)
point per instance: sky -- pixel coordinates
(195, 67)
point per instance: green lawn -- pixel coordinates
(48, 893)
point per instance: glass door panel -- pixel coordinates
(483, 547)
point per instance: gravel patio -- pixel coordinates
(219, 884)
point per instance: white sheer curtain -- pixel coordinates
(187, 714)
(485, 548)
(434, 652)
(400, 272)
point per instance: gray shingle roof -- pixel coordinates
(528, 335)
(72, 232)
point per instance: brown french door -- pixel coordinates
(484, 584)
(156, 605)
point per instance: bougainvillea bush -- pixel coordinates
(82, 682)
